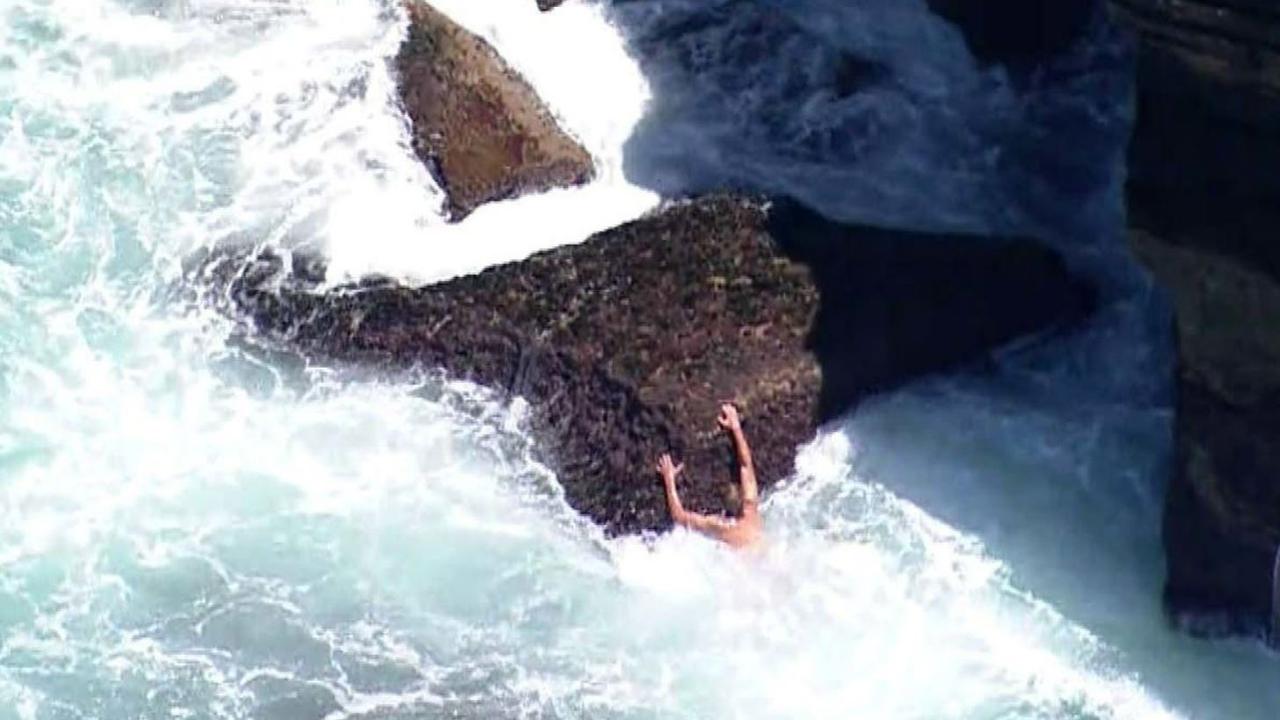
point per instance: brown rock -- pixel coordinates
(481, 130)
(625, 345)
(1222, 522)
(1228, 318)
(1204, 202)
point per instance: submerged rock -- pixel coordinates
(1204, 202)
(480, 128)
(625, 345)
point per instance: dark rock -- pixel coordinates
(1208, 97)
(625, 345)
(1204, 204)
(1223, 508)
(1221, 514)
(1018, 32)
(545, 5)
(481, 130)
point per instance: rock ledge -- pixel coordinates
(625, 345)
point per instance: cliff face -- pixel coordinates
(1204, 202)
(625, 345)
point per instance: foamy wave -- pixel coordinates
(193, 529)
(862, 600)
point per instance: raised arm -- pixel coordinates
(705, 524)
(732, 424)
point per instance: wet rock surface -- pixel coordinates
(1204, 200)
(480, 128)
(625, 345)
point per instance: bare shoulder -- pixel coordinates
(746, 532)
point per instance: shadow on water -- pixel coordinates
(1012, 118)
(895, 304)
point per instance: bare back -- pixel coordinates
(746, 531)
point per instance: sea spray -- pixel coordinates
(192, 529)
(597, 93)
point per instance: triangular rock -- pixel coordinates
(480, 128)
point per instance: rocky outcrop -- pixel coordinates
(1204, 199)
(481, 130)
(545, 5)
(625, 345)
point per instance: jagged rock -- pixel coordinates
(1204, 200)
(480, 128)
(545, 5)
(625, 345)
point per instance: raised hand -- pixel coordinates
(729, 420)
(668, 469)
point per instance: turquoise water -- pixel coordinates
(190, 531)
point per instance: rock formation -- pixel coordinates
(1204, 200)
(481, 130)
(625, 345)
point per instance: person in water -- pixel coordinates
(745, 531)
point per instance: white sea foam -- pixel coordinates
(578, 64)
(193, 530)
(875, 606)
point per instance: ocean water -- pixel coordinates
(191, 530)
